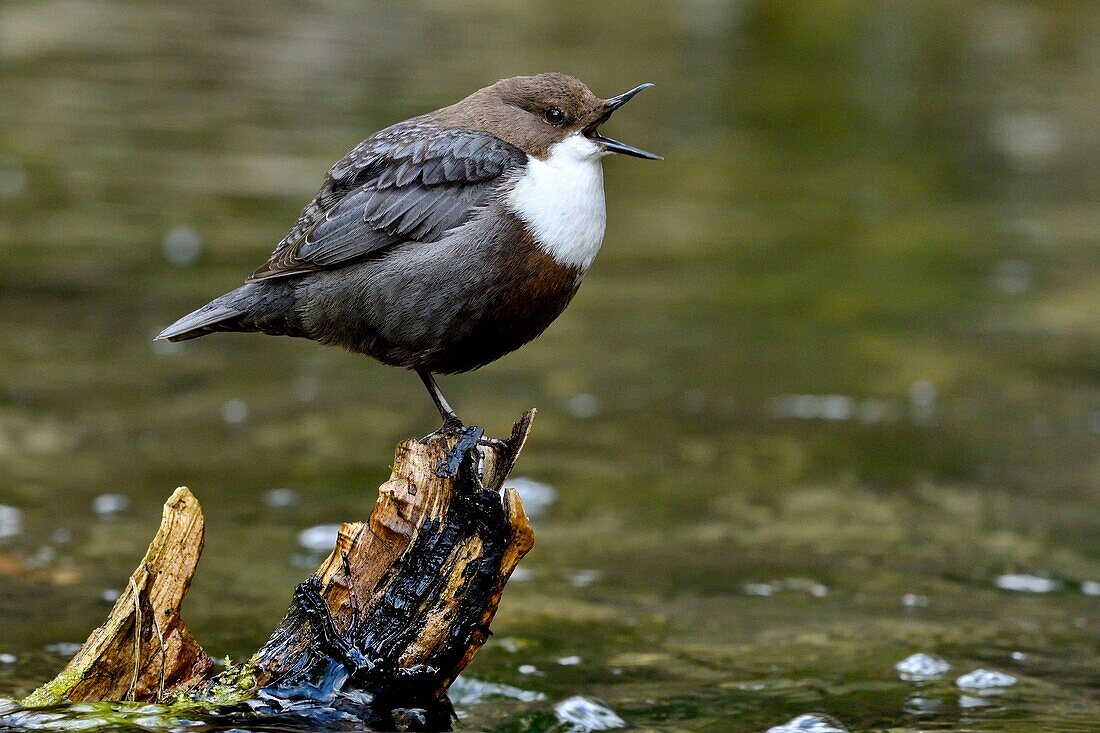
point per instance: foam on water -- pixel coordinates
(471, 691)
(320, 538)
(985, 679)
(1024, 583)
(920, 667)
(537, 496)
(281, 498)
(810, 723)
(584, 715)
(108, 505)
(11, 521)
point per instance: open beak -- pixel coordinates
(614, 146)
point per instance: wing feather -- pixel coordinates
(410, 182)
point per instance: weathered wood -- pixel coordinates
(416, 586)
(397, 610)
(144, 648)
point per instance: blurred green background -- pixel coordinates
(830, 395)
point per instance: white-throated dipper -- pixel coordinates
(443, 242)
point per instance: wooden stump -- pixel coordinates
(144, 649)
(397, 610)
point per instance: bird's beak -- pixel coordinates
(614, 146)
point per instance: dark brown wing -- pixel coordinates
(410, 182)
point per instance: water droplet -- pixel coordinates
(836, 407)
(806, 585)
(584, 578)
(8, 658)
(1030, 138)
(586, 715)
(985, 679)
(584, 406)
(1023, 583)
(234, 412)
(537, 496)
(528, 669)
(1090, 587)
(810, 723)
(920, 667)
(321, 538)
(758, 589)
(109, 505)
(912, 600)
(1018, 656)
(63, 648)
(281, 498)
(570, 661)
(109, 595)
(922, 402)
(11, 521)
(61, 536)
(521, 574)
(832, 407)
(42, 557)
(182, 246)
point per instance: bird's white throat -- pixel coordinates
(560, 199)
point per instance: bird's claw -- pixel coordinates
(468, 440)
(451, 426)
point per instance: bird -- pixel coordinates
(441, 243)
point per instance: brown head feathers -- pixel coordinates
(530, 112)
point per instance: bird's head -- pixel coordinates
(535, 112)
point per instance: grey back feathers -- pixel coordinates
(410, 182)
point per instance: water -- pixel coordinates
(842, 339)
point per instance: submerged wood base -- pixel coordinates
(397, 610)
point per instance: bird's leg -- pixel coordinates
(451, 423)
(469, 438)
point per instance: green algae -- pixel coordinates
(55, 691)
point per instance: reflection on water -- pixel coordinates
(827, 399)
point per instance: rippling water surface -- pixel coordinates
(828, 399)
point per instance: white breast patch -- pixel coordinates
(561, 201)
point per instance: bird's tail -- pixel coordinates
(251, 307)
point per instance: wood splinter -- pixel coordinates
(397, 610)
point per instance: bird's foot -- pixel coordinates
(468, 440)
(451, 426)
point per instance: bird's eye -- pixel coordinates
(554, 116)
